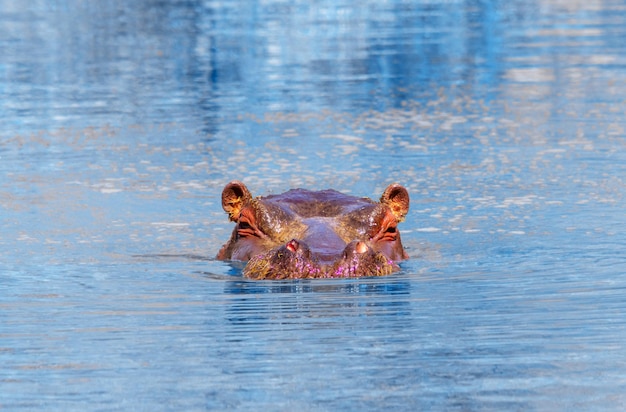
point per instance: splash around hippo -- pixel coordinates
(314, 234)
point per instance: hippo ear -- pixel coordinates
(396, 197)
(234, 196)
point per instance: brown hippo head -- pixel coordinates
(308, 234)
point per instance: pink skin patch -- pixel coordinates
(292, 245)
(360, 248)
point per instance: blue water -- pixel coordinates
(122, 121)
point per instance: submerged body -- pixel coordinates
(314, 234)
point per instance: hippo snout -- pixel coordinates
(294, 260)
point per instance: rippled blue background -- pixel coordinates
(122, 121)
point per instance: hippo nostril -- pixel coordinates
(293, 245)
(360, 247)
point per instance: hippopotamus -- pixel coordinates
(304, 234)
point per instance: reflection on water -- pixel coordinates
(122, 122)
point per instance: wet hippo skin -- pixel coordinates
(314, 234)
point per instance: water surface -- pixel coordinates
(121, 123)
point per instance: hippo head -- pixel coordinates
(314, 234)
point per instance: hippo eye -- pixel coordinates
(390, 234)
(245, 228)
